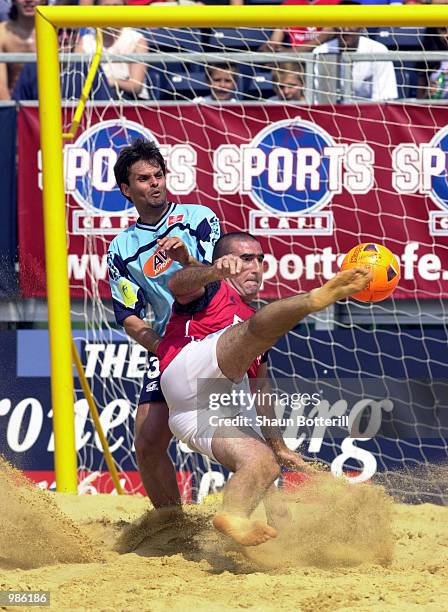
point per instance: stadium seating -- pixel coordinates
(406, 76)
(174, 40)
(400, 39)
(179, 79)
(233, 39)
(182, 84)
(153, 78)
(258, 86)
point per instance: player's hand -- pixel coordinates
(291, 460)
(175, 249)
(228, 265)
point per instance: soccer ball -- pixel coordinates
(383, 265)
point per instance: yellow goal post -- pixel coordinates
(48, 20)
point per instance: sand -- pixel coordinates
(347, 548)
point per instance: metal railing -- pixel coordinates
(334, 85)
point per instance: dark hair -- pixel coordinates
(140, 149)
(224, 245)
(14, 11)
(209, 68)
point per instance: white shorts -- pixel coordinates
(189, 384)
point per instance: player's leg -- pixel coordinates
(241, 450)
(152, 438)
(254, 470)
(239, 345)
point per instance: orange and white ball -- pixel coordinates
(383, 265)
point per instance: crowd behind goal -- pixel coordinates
(276, 76)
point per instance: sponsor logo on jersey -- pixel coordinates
(172, 219)
(152, 386)
(127, 292)
(90, 179)
(157, 263)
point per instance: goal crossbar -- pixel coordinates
(242, 16)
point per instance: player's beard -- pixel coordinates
(153, 211)
(158, 205)
(152, 202)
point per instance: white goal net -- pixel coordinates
(313, 153)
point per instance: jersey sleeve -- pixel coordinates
(127, 296)
(207, 232)
(201, 303)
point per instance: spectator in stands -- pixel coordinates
(73, 75)
(438, 83)
(300, 39)
(288, 82)
(370, 80)
(127, 79)
(17, 35)
(433, 76)
(222, 79)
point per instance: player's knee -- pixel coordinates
(252, 334)
(272, 470)
(265, 466)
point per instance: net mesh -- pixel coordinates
(358, 137)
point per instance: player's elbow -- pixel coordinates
(181, 288)
(131, 324)
(173, 285)
(178, 295)
(127, 324)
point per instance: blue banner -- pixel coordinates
(383, 381)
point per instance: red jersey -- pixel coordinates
(219, 307)
(304, 35)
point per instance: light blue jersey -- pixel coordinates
(139, 270)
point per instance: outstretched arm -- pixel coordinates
(189, 284)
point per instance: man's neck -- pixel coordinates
(352, 47)
(153, 216)
(25, 24)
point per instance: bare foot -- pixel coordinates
(243, 531)
(342, 285)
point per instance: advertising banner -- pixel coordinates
(394, 423)
(311, 183)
